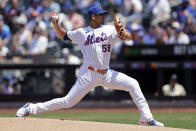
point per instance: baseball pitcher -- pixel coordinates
(96, 42)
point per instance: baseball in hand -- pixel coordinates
(54, 17)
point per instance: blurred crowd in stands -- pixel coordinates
(25, 28)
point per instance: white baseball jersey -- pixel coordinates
(96, 46)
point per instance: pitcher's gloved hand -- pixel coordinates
(120, 28)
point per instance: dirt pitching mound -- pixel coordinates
(35, 124)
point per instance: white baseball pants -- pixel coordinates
(88, 80)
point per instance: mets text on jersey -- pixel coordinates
(91, 39)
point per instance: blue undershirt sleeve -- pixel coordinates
(66, 37)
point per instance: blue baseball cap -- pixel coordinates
(96, 9)
(185, 1)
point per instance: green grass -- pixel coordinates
(186, 120)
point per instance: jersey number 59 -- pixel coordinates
(106, 48)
